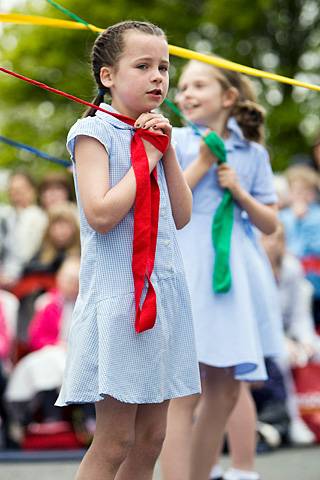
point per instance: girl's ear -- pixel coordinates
(230, 96)
(106, 77)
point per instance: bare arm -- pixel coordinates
(104, 207)
(262, 216)
(200, 166)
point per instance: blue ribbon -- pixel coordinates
(35, 151)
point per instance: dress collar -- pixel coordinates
(110, 119)
(236, 138)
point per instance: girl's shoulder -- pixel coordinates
(93, 127)
(181, 133)
(88, 126)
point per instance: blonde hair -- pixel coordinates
(305, 174)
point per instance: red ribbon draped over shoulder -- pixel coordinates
(146, 219)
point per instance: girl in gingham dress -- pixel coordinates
(236, 329)
(130, 376)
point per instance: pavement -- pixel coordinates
(283, 464)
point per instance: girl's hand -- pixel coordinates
(206, 157)
(227, 178)
(299, 208)
(154, 122)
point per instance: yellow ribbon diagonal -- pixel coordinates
(44, 21)
(176, 51)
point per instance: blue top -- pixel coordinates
(105, 354)
(303, 239)
(302, 234)
(249, 159)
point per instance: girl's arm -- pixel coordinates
(179, 192)
(104, 207)
(262, 216)
(200, 166)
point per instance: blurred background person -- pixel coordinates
(22, 224)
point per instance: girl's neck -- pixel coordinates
(120, 108)
(219, 125)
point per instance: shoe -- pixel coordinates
(300, 434)
(268, 434)
(234, 474)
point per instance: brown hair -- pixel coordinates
(108, 48)
(67, 212)
(248, 113)
(57, 179)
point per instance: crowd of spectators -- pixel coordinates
(39, 269)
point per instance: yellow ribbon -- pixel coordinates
(45, 21)
(176, 51)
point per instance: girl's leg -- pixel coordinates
(150, 430)
(219, 395)
(175, 455)
(242, 431)
(113, 438)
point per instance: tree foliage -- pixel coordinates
(282, 36)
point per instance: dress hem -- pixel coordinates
(102, 396)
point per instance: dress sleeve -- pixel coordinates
(263, 188)
(91, 127)
(178, 140)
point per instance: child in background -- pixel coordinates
(61, 239)
(234, 330)
(37, 377)
(55, 188)
(301, 222)
(131, 343)
(302, 342)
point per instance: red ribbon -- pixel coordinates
(146, 210)
(146, 217)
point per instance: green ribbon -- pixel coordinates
(222, 224)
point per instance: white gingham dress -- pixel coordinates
(105, 354)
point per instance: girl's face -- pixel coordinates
(62, 233)
(21, 193)
(53, 195)
(201, 97)
(140, 80)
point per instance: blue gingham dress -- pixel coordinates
(105, 355)
(239, 328)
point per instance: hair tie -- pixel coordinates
(102, 91)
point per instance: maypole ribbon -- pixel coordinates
(146, 208)
(222, 222)
(173, 50)
(35, 151)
